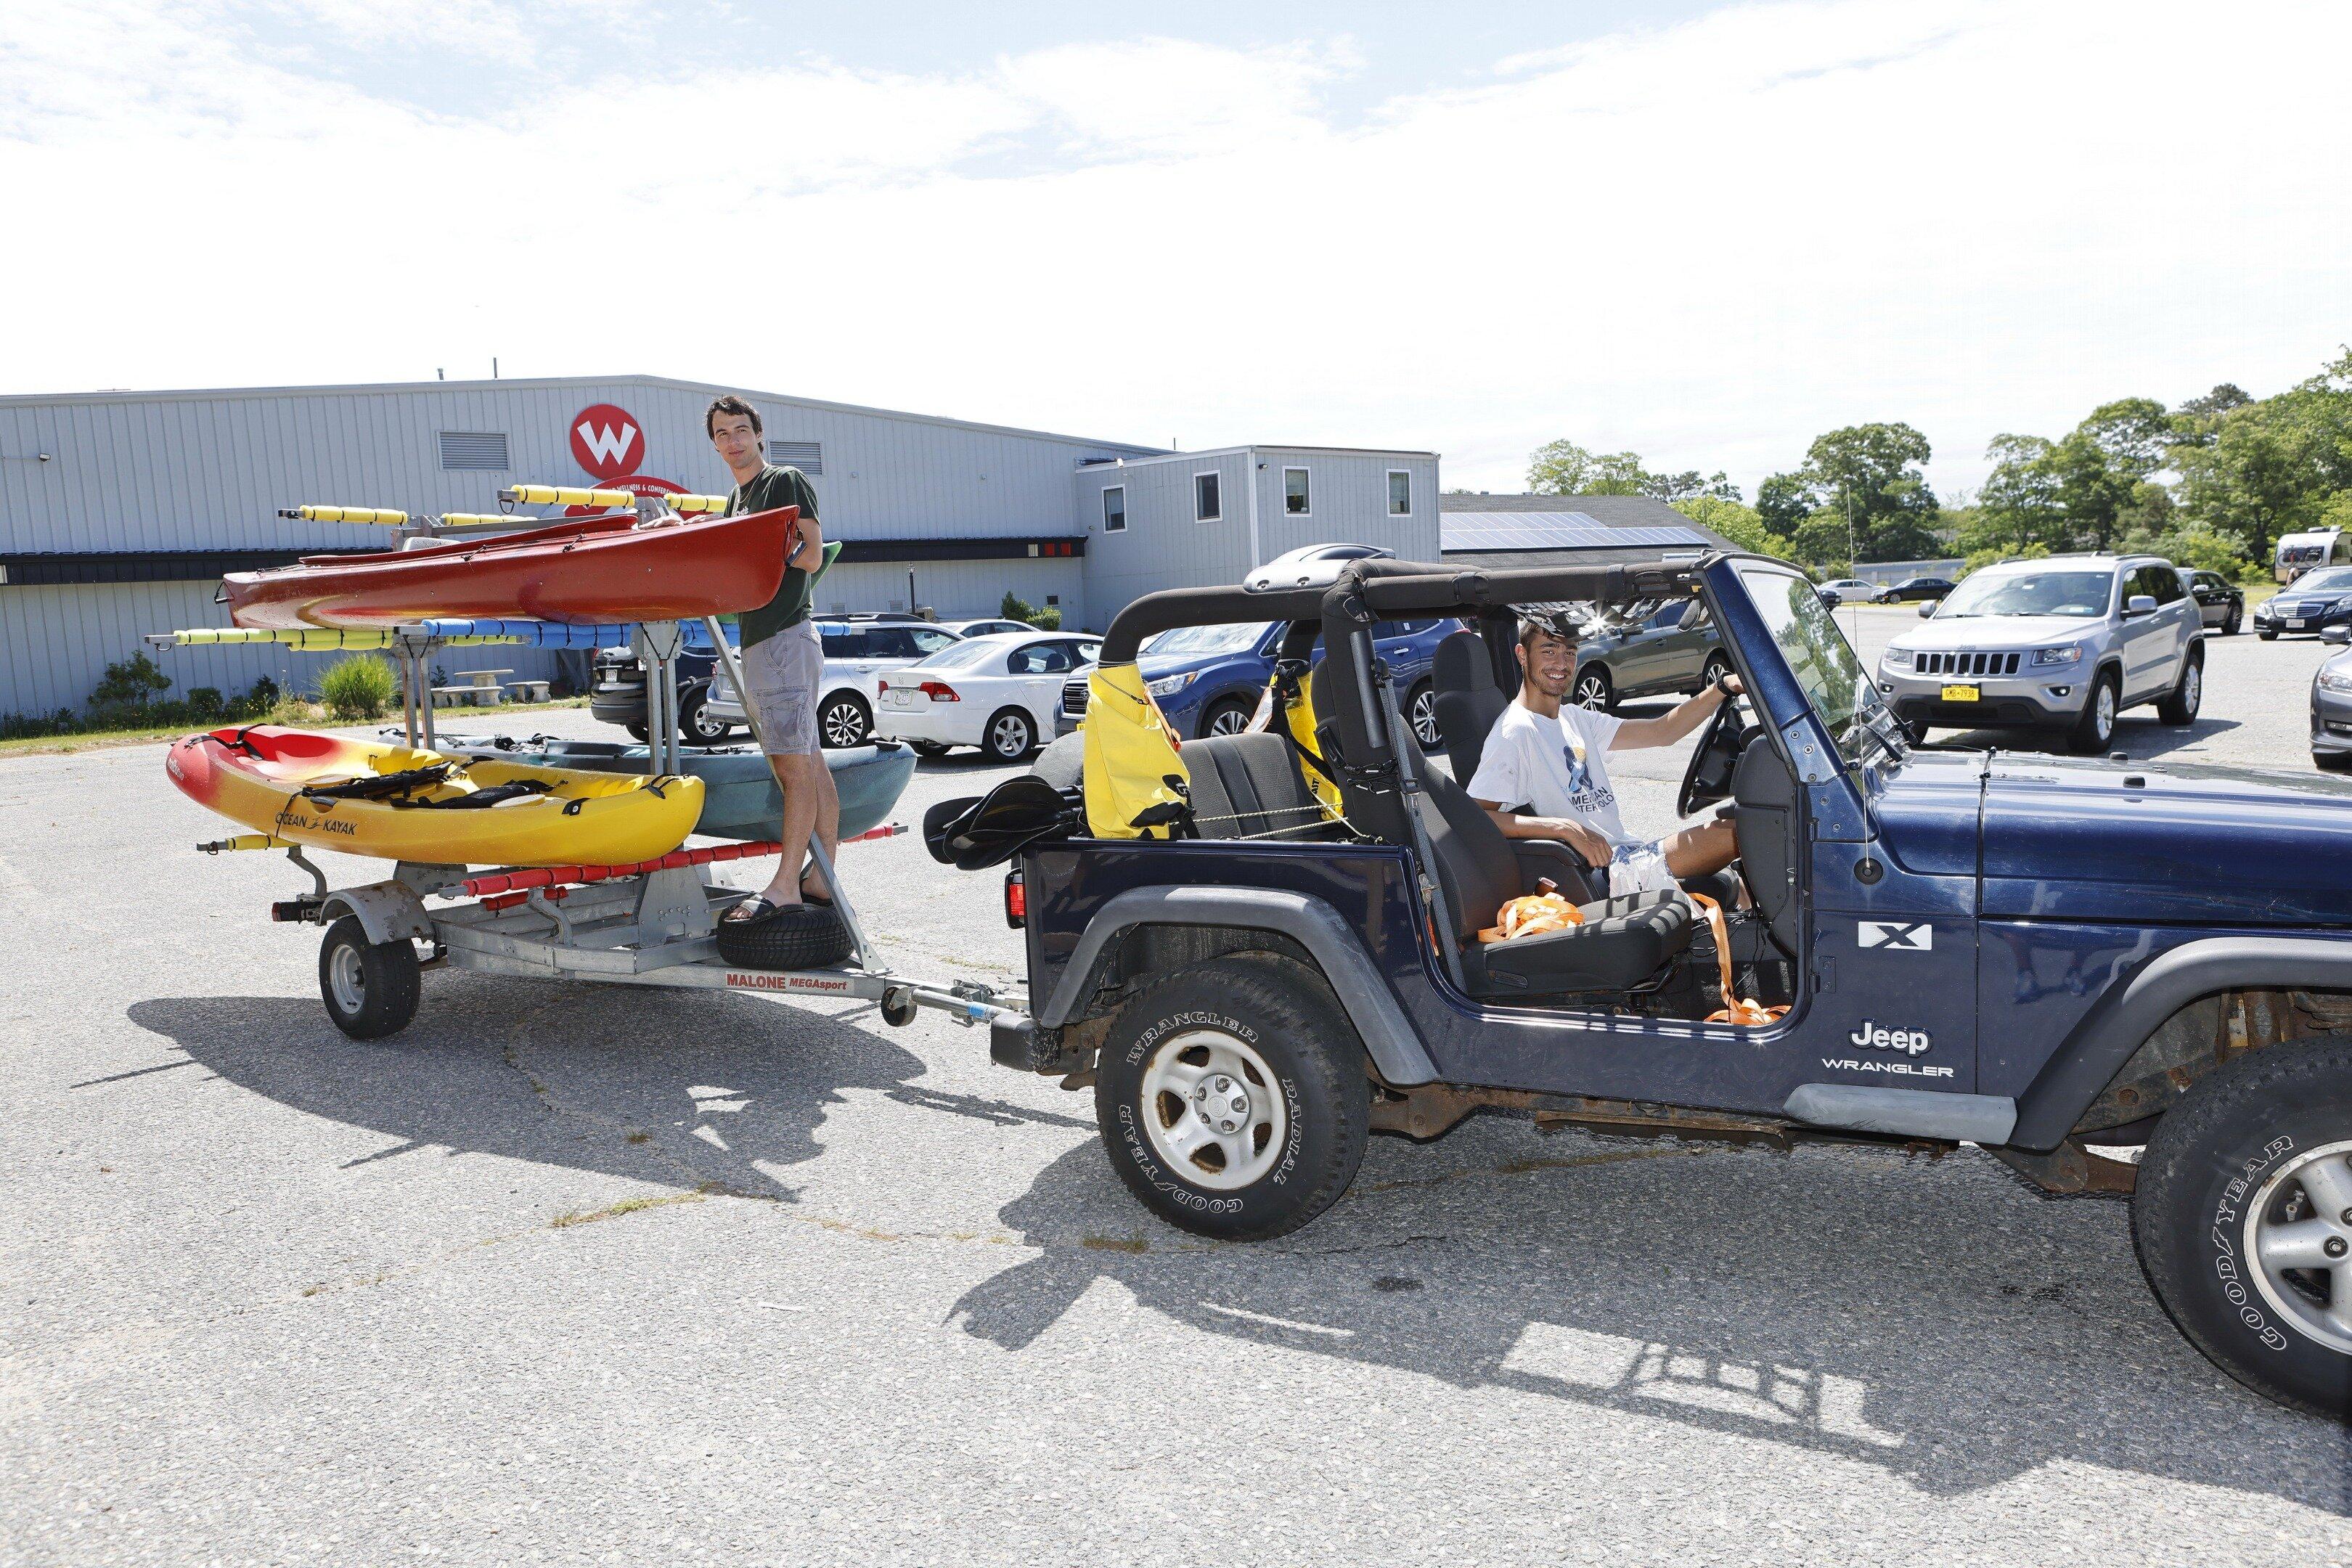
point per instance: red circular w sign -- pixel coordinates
(607, 441)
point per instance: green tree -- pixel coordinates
(1687, 485)
(1783, 502)
(1564, 469)
(1869, 477)
(1740, 524)
(2273, 466)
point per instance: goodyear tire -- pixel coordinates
(2247, 1177)
(1232, 1098)
(798, 936)
(371, 988)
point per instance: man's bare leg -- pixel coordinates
(807, 785)
(1701, 850)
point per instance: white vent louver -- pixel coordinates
(476, 449)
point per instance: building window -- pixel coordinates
(1293, 493)
(1400, 493)
(485, 450)
(1206, 505)
(1115, 510)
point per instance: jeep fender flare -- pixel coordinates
(1380, 1020)
(2120, 1022)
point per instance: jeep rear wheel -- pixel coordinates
(2243, 1218)
(1232, 1098)
(2179, 705)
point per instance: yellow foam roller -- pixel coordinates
(481, 520)
(696, 503)
(382, 517)
(564, 495)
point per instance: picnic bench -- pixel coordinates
(480, 688)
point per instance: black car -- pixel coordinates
(2220, 603)
(1912, 589)
(617, 693)
(2311, 603)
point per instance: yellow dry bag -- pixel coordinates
(1137, 786)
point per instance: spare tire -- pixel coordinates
(797, 936)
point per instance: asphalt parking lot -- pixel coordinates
(575, 1275)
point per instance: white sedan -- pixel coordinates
(1851, 590)
(999, 692)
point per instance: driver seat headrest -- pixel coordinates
(1469, 700)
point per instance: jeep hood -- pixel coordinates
(1988, 632)
(2188, 843)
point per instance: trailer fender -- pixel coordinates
(1371, 1007)
(2128, 1013)
(384, 910)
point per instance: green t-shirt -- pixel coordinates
(770, 488)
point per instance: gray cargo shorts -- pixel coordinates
(781, 674)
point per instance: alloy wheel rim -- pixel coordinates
(842, 726)
(347, 978)
(1591, 691)
(2298, 1239)
(1232, 722)
(1424, 718)
(2105, 701)
(1213, 1110)
(1009, 736)
(2194, 689)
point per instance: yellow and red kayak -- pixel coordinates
(362, 798)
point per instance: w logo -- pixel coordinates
(606, 441)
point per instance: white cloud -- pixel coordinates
(1707, 243)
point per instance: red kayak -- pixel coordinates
(599, 571)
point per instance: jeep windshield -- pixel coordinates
(2083, 594)
(1824, 662)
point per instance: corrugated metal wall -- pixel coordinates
(56, 642)
(957, 590)
(208, 471)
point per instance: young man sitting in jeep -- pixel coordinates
(1544, 775)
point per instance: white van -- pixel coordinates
(2300, 552)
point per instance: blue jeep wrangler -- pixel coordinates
(2060, 962)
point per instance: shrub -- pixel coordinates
(360, 687)
(134, 682)
(1017, 608)
(1048, 619)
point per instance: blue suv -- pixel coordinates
(1207, 679)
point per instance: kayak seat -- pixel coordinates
(1250, 786)
(483, 799)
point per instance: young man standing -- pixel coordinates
(1549, 757)
(783, 662)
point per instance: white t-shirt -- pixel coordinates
(1558, 767)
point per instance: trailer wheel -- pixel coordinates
(370, 987)
(804, 936)
(2243, 1218)
(1232, 1098)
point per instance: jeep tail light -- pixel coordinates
(939, 691)
(1016, 900)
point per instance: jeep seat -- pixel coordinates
(1622, 945)
(1249, 787)
(1468, 699)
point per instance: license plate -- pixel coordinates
(1960, 694)
(2294, 625)
(902, 699)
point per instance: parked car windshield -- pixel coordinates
(2080, 594)
(1205, 642)
(1824, 662)
(2336, 580)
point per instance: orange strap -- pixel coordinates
(1735, 1009)
(1531, 916)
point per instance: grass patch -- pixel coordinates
(628, 1205)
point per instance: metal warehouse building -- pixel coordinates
(120, 511)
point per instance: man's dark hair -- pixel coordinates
(1556, 622)
(731, 403)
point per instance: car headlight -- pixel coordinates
(1897, 659)
(2336, 680)
(1169, 685)
(2045, 656)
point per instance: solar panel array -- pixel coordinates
(1551, 531)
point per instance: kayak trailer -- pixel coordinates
(652, 923)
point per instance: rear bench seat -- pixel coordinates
(1250, 786)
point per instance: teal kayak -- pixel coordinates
(739, 798)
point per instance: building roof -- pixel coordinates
(1508, 530)
(523, 384)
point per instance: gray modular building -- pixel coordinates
(120, 511)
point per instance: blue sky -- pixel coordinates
(1702, 233)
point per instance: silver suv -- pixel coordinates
(2064, 643)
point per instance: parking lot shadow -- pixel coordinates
(679, 1088)
(1816, 1301)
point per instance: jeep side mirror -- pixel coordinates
(2140, 605)
(1926, 608)
(2337, 635)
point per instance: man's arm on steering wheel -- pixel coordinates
(1667, 728)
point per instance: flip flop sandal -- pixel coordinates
(750, 912)
(821, 901)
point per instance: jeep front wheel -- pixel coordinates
(2243, 1218)
(1232, 1098)
(2095, 730)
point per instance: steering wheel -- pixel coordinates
(1708, 777)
